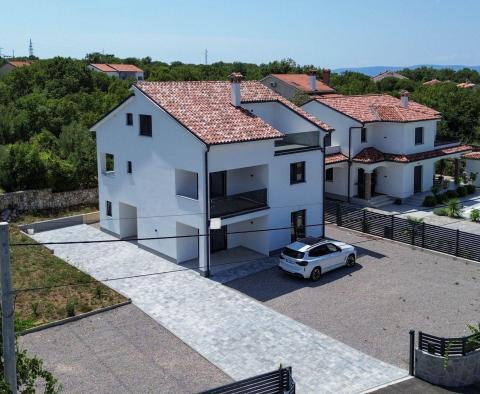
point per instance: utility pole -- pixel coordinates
(8, 329)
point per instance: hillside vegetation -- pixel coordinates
(46, 110)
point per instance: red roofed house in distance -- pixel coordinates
(176, 155)
(120, 71)
(383, 148)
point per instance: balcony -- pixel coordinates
(296, 142)
(238, 204)
(446, 143)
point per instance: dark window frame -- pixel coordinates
(145, 125)
(328, 140)
(421, 140)
(129, 167)
(295, 170)
(363, 135)
(329, 175)
(129, 119)
(109, 163)
(108, 207)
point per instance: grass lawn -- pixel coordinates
(26, 218)
(36, 266)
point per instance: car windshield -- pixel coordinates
(295, 254)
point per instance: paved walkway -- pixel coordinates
(237, 334)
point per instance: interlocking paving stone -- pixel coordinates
(236, 333)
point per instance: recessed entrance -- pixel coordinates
(128, 220)
(218, 239)
(298, 225)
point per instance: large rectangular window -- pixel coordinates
(108, 163)
(328, 140)
(418, 135)
(364, 134)
(145, 125)
(329, 174)
(297, 172)
(109, 208)
(186, 183)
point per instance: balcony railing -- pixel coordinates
(298, 141)
(446, 143)
(238, 204)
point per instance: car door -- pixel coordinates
(321, 257)
(335, 256)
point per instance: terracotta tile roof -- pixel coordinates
(372, 155)
(475, 155)
(388, 74)
(204, 107)
(465, 85)
(433, 82)
(378, 108)
(333, 158)
(19, 63)
(116, 67)
(301, 82)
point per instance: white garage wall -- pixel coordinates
(187, 248)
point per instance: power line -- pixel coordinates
(156, 238)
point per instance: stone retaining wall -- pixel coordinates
(460, 370)
(37, 200)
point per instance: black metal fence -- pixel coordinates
(428, 236)
(448, 346)
(279, 381)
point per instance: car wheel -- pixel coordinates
(316, 274)
(350, 261)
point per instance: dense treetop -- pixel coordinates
(46, 109)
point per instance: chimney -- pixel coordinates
(312, 79)
(326, 76)
(404, 94)
(235, 79)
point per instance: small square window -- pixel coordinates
(109, 208)
(129, 119)
(297, 172)
(145, 125)
(418, 135)
(329, 174)
(364, 134)
(129, 167)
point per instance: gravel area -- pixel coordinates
(373, 305)
(121, 351)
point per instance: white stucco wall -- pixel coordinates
(474, 166)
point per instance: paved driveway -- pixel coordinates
(373, 305)
(236, 333)
(121, 351)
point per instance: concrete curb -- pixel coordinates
(74, 318)
(413, 247)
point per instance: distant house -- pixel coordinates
(433, 82)
(288, 85)
(120, 71)
(388, 74)
(466, 85)
(11, 65)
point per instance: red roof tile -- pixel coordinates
(116, 67)
(333, 158)
(302, 82)
(433, 82)
(19, 63)
(472, 156)
(204, 107)
(372, 155)
(378, 108)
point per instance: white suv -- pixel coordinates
(310, 257)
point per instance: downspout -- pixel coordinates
(350, 157)
(324, 150)
(207, 216)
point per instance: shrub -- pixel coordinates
(451, 194)
(70, 309)
(454, 208)
(440, 211)
(475, 215)
(429, 201)
(461, 191)
(471, 189)
(441, 198)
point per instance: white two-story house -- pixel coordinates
(382, 146)
(200, 167)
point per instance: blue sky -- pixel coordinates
(327, 33)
